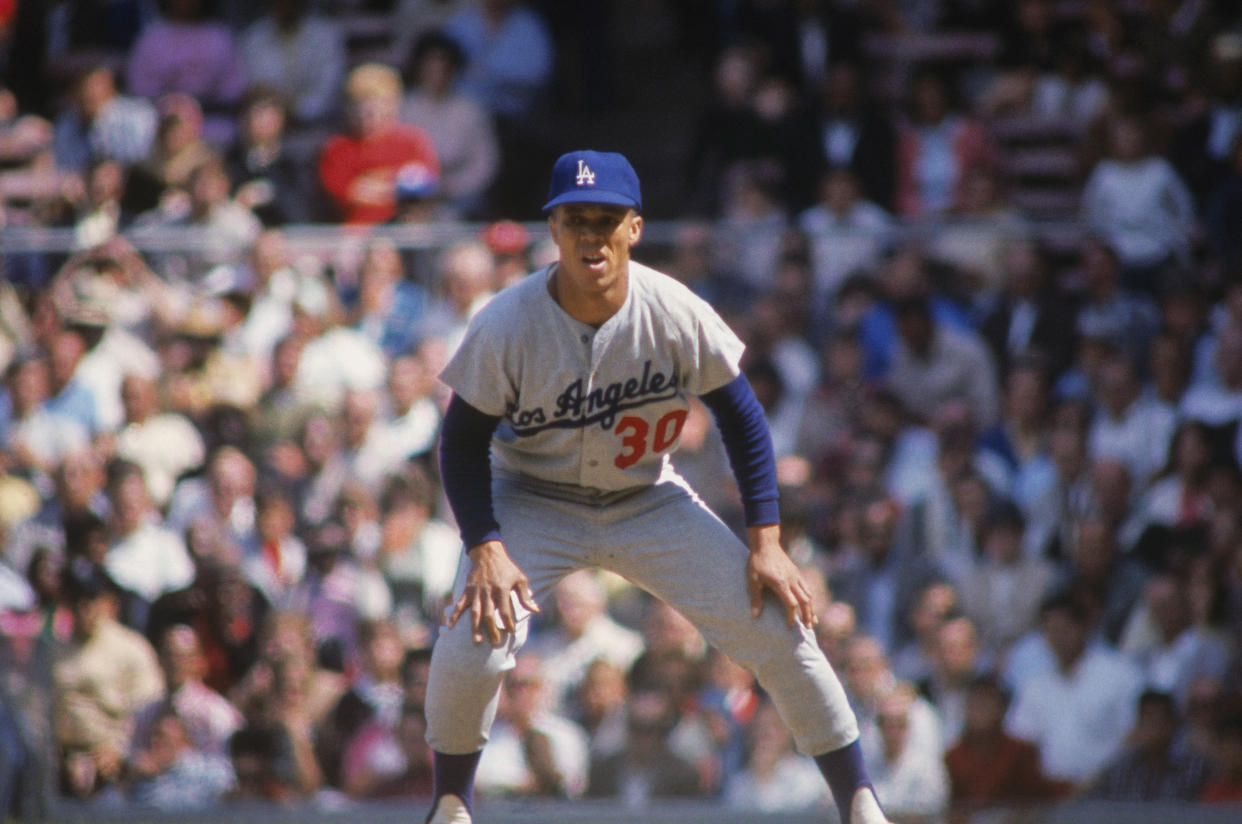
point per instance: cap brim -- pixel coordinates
(592, 196)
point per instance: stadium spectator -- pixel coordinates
(103, 124)
(868, 677)
(933, 605)
(1224, 784)
(359, 169)
(411, 414)
(978, 228)
(224, 610)
(1204, 143)
(267, 176)
(1028, 315)
(145, 557)
(375, 695)
(1127, 426)
(208, 718)
(299, 52)
(34, 437)
(1151, 769)
(165, 444)
(957, 661)
(884, 575)
(987, 766)
(69, 399)
(385, 764)
(727, 131)
(933, 363)
(95, 30)
(189, 52)
(223, 495)
(255, 753)
(465, 281)
(180, 146)
(334, 357)
(535, 750)
(938, 148)
(1179, 495)
(279, 560)
(775, 778)
(854, 134)
(170, 773)
(368, 450)
(1003, 594)
(287, 673)
(1060, 497)
(509, 56)
(848, 233)
(461, 130)
(646, 769)
(390, 304)
(909, 781)
(600, 708)
(108, 674)
(1223, 209)
(1180, 651)
(1097, 570)
(1136, 200)
(1081, 711)
(584, 632)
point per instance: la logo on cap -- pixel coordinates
(586, 177)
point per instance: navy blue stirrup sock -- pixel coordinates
(454, 775)
(845, 773)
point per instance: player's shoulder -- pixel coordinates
(662, 288)
(516, 297)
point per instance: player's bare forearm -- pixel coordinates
(770, 568)
(487, 597)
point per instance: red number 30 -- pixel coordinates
(634, 431)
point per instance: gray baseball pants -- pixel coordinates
(665, 540)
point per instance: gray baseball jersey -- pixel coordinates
(599, 408)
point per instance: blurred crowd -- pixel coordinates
(1007, 433)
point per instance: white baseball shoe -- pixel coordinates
(450, 810)
(864, 809)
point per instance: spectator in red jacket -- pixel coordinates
(359, 170)
(987, 767)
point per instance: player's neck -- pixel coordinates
(592, 308)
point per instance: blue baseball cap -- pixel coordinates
(594, 177)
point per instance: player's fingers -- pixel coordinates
(792, 606)
(492, 619)
(806, 609)
(495, 632)
(756, 596)
(504, 605)
(476, 617)
(526, 597)
(459, 608)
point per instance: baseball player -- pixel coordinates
(576, 381)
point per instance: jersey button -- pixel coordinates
(592, 463)
(586, 338)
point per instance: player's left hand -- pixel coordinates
(770, 568)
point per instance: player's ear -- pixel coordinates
(636, 228)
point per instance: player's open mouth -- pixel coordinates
(593, 260)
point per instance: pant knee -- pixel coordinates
(463, 687)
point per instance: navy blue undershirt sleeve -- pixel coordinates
(466, 470)
(744, 429)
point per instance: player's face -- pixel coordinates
(594, 241)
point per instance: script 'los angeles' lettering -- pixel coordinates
(575, 406)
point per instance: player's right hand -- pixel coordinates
(492, 579)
